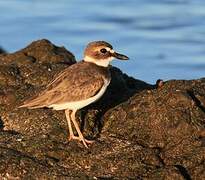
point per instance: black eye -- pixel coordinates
(103, 50)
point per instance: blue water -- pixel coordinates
(163, 38)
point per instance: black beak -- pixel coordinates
(120, 56)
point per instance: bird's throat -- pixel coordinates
(99, 62)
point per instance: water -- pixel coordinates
(164, 38)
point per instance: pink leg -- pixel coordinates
(68, 117)
(81, 138)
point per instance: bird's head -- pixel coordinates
(101, 53)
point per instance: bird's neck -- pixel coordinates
(99, 62)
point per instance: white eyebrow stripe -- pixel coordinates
(107, 48)
(112, 51)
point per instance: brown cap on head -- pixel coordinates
(101, 50)
(93, 49)
(96, 44)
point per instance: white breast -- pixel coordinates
(80, 104)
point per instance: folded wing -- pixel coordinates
(75, 83)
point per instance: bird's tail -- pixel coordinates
(35, 102)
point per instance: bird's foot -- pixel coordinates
(71, 137)
(84, 141)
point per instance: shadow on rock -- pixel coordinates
(1, 124)
(121, 88)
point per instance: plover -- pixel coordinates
(78, 85)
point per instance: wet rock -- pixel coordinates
(141, 131)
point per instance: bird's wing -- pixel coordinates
(75, 83)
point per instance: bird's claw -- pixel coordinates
(84, 141)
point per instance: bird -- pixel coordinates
(78, 85)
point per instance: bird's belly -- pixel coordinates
(75, 105)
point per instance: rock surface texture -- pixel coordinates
(141, 131)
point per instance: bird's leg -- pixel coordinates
(68, 117)
(81, 138)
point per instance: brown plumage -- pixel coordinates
(78, 82)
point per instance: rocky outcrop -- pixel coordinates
(142, 131)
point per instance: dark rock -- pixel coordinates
(142, 131)
(2, 51)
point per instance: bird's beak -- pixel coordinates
(119, 56)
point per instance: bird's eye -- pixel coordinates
(103, 50)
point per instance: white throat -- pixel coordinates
(99, 62)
